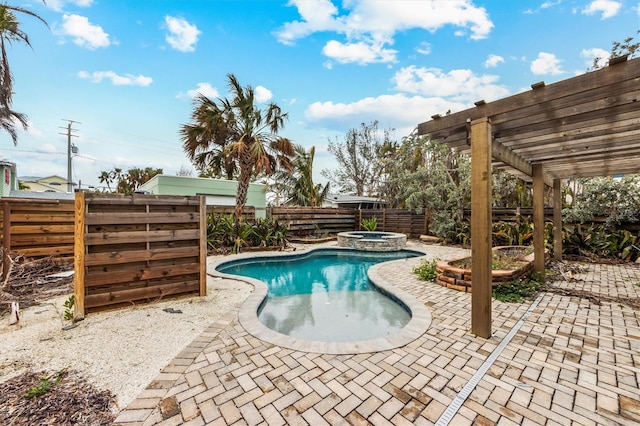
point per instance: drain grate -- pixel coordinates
(462, 396)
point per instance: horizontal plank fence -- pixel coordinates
(396, 220)
(248, 213)
(137, 248)
(314, 221)
(506, 214)
(36, 228)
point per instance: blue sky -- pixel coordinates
(127, 70)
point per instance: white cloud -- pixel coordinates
(459, 85)
(370, 25)
(397, 111)
(360, 52)
(493, 61)
(182, 36)
(262, 94)
(58, 5)
(317, 15)
(548, 4)
(424, 48)
(205, 89)
(546, 63)
(84, 33)
(47, 148)
(116, 80)
(597, 54)
(608, 8)
(31, 129)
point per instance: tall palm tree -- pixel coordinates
(10, 32)
(299, 186)
(236, 134)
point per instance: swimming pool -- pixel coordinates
(323, 300)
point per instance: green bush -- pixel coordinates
(518, 291)
(600, 241)
(426, 271)
(224, 233)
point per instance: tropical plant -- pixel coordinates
(225, 233)
(10, 32)
(370, 224)
(600, 241)
(127, 182)
(109, 177)
(518, 232)
(298, 186)
(235, 134)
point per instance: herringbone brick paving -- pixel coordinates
(573, 362)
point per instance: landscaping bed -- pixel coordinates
(509, 263)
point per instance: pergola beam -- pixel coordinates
(511, 159)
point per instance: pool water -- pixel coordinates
(325, 295)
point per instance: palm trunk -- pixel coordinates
(243, 185)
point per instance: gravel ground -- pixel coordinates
(120, 350)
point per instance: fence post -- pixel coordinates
(78, 257)
(6, 238)
(203, 245)
(384, 220)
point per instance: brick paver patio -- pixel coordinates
(573, 361)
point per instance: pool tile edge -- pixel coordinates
(248, 316)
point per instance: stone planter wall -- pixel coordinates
(460, 279)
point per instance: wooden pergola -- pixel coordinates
(584, 126)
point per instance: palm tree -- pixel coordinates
(105, 177)
(205, 140)
(237, 135)
(10, 32)
(299, 186)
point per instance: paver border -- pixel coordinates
(248, 312)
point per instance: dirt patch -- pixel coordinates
(65, 399)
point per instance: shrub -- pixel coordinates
(370, 224)
(518, 291)
(426, 271)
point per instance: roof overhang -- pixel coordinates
(584, 126)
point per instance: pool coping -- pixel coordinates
(248, 311)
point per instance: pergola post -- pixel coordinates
(480, 139)
(557, 220)
(538, 219)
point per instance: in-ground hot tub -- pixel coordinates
(372, 240)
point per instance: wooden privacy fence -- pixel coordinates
(36, 228)
(507, 214)
(248, 213)
(318, 221)
(396, 220)
(137, 247)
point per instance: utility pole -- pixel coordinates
(71, 148)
